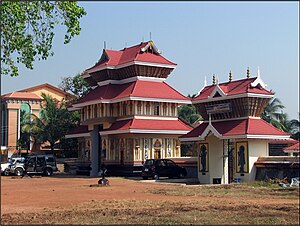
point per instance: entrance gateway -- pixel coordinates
(232, 135)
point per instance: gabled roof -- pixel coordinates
(137, 90)
(49, 87)
(143, 52)
(243, 86)
(239, 128)
(135, 125)
(21, 95)
(293, 148)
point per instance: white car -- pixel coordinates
(5, 167)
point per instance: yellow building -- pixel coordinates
(20, 102)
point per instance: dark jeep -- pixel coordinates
(36, 164)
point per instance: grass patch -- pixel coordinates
(254, 190)
(147, 212)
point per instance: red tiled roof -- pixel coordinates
(249, 126)
(294, 147)
(233, 88)
(21, 95)
(139, 88)
(126, 55)
(149, 124)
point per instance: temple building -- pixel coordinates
(131, 114)
(14, 107)
(232, 136)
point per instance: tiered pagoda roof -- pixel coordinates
(144, 125)
(144, 52)
(137, 90)
(143, 59)
(231, 110)
(233, 89)
(238, 128)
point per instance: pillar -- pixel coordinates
(225, 162)
(95, 150)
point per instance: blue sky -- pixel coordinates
(203, 38)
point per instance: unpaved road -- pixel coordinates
(37, 194)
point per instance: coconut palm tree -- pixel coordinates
(295, 128)
(272, 112)
(52, 124)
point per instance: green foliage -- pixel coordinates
(77, 85)
(189, 113)
(273, 114)
(53, 124)
(27, 30)
(24, 140)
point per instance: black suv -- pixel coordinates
(36, 164)
(156, 168)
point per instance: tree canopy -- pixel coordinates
(27, 30)
(53, 122)
(77, 85)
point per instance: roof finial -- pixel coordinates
(125, 45)
(143, 39)
(205, 82)
(248, 72)
(150, 36)
(258, 72)
(104, 44)
(214, 79)
(230, 76)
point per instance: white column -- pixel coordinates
(225, 162)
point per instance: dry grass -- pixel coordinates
(255, 190)
(222, 204)
(165, 212)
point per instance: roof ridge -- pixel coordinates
(188, 98)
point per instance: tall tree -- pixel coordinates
(189, 112)
(273, 112)
(77, 85)
(295, 128)
(53, 123)
(27, 30)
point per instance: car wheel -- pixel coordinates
(145, 178)
(156, 177)
(6, 172)
(19, 171)
(48, 172)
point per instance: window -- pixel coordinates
(111, 110)
(124, 109)
(139, 108)
(173, 110)
(148, 109)
(165, 109)
(156, 108)
(95, 111)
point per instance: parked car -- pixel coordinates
(156, 168)
(36, 164)
(5, 167)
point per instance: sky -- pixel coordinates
(203, 38)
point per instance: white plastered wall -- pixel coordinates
(215, 158)
(256, 148)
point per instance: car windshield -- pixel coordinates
(149, 162)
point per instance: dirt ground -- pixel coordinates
(39, 196)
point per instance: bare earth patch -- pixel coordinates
(70, 200)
